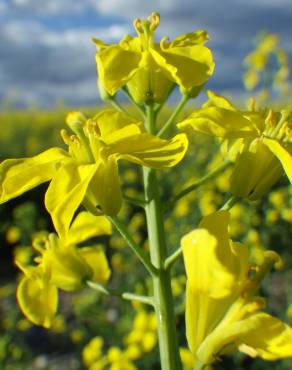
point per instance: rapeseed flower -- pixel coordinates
(61, 265)
(223, 311)
(88, 173)
(258, 141)
(149, 69)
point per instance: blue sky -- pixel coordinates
(46, 54)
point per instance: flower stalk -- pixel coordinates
(162, 294)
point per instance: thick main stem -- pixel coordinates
(162, 294)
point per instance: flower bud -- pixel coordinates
(149, 85)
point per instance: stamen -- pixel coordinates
(76, 121)
(251, 104)
(154, 18)
(65, 137)
(282, 132)
(164, 43)
(138, 26)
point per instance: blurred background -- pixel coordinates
(47, 68)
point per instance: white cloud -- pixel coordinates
(50, 7)
(46, 63)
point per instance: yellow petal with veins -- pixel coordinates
(20, 175)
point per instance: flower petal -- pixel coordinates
(208, 286)
(284, 155)
(270, 338)
(116, 66)
(256, 170)
(190, 39)
(38, 300)
(151, 151)
(66, 192)
(110, 121)
(216, 100)
(188, 66)
(20, 175)
(105, 186)
(219, 122)
(215, 269)
(86, 226)
(96, 259)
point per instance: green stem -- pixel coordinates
(199, 182)
(230, 203)
(162, 294)
(174, 115)
(161, 105)
(135, 201)
(143, 257)
(173, 258)
(117, 105)
(129, 96)
(126, 295)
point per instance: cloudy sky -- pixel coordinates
(46, 54)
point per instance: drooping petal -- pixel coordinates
(258, 335)
(96, 259)
(206, 272)
(233, 256)
(86, 226)
(69, 270)
(66, 192)
(116, 66)
(208, 291)
(38, 300)
(20, 175)
(151, 151)
(105, 186)
(220, 122)
(284, 155)
(271, 338)
(215, 269)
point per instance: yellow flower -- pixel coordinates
(149, 69)
(259, 141)
(88, 174)
(61, 265)
(92, 352)
(223, 312)
(119, 360)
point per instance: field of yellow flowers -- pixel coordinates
(90, 326)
